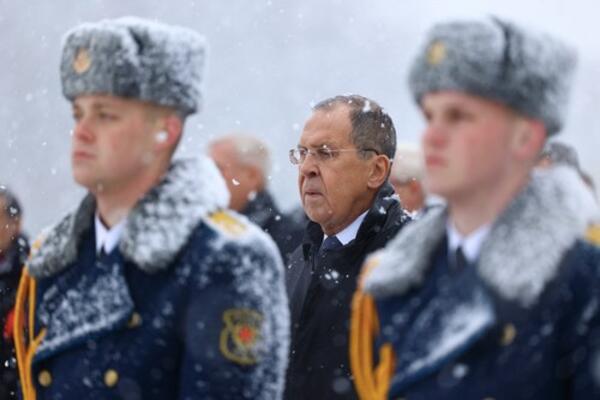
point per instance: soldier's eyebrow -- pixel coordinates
(101, 105)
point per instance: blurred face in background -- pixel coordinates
(412, 196)
(242, 179)
(9, 228)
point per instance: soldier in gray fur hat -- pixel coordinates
(493, 296)
(149, 289)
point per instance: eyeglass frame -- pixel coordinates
(319, 157)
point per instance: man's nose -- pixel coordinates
(310, 165)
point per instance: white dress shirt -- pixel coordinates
(107, 239)
(470, 244)
(348, 234)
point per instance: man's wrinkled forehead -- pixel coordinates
(327, 127)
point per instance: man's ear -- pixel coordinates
(529, 139)
(170, 131)
(379, 171)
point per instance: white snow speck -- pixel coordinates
(460, 370)
(161, 137)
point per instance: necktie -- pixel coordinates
(329, 244)
(460, 261)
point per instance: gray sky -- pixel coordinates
(268, 62)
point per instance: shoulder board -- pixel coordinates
(228, 223)
(593, 234)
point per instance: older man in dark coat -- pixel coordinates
(343, 158)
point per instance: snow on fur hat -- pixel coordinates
(498, 60)
(135, 58)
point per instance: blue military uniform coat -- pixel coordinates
(191, 305)
(522, 323)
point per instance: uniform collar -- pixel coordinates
(545, 218)
(156, 228)
(107, 238)
(470, 244)
(348, 234)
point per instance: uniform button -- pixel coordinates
(111, 377)
(44, 378)
(135, 320)
(508, 334)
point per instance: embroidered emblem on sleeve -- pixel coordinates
(241, 335)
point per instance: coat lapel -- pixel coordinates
(446, 326)
(89, 300)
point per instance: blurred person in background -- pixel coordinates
(14, 249)
(559, 154)
(245, 163)
(406, 177)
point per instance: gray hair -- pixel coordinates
(249, 150)
(372, 127)
(408, 163)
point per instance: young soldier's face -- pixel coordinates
(467, 144)
(113, 142)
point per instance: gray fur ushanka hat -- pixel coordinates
(135, 58)
(498, 60)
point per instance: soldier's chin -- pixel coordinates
(84, 179)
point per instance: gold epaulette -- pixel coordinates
(228, 223)
(593, 234)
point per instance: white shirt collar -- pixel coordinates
(349, 233)
(107, 238)
(470, 244)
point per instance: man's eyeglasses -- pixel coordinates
(321, 154)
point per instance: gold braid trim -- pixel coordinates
(26, 297)
(372, 383)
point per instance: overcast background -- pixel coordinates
(268, 62)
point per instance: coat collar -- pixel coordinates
(155, 229)
(374, 221)
(548, 215)
(261, 209)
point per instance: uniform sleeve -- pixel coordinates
(236, 328)
(583, 359)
